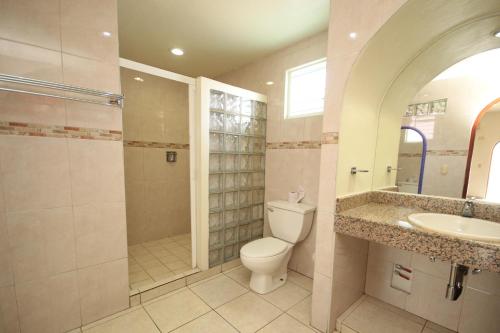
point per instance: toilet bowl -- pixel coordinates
(267, 258)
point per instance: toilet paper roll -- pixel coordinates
(293, 197)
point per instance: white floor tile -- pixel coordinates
(286, 296)
(176, 309)
(132, 322)
(248, 313)
(286, 324)
(208, 323)
(218, 290)
(240, 275)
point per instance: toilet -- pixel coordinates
(267, 258)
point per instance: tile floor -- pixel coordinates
(153, 261)
(220, 304)
(370, 315)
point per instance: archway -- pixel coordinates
(404, 55)
(472, 141)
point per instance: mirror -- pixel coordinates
(449, 141)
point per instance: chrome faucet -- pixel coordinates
(468, 210)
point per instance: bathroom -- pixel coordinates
(162, 176)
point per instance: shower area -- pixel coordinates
(157, 177)
(194, 155)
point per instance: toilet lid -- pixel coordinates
(264, 247)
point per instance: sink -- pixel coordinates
(458, 226)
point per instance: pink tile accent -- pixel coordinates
(153, 144)
(56, 131)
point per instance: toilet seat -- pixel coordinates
(264, 248)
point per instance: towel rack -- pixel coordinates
(110, 99)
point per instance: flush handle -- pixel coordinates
(391, 169)
(355, 170)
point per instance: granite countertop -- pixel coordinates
(387, 223)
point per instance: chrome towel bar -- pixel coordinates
(109, 99)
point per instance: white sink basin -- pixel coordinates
(458, 226)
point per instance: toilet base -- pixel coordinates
(265, 283)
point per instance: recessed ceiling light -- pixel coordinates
(138, 78)
(269, 83)
(353, 35)
(497, 34)
(106, 34)
(177, 52)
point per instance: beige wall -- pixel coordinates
(157, 192)
(287, 169)
(487, 136)
(63, 254)
(339, 272)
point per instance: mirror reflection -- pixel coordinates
(450, 133)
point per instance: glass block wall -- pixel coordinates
(236, 174)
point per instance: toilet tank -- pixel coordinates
(288, 221)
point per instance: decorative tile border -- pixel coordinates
(330, 138)
(152, 144)
(435, 152)
(326, 138)
(294, 145)
(57, 131)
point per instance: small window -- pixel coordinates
(493, 189)
(305, 90)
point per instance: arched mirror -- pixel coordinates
(458, 114)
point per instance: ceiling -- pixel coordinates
(217, 35)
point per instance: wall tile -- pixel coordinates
(40, 311)
(100, 230)
(480, 312)
(35, 172)
(103, 289)
(82, 25)
(93, 116)
(378, 283)
(6, 274)
(9, 321)
(31, 22)
(96, 171)
(132, 126)
(324, 243)
(155, 165)
(134, 163)
(31, 109)
(427, 300)
(326, 191)
(349, 264)
(379, 252)
(321, 301)
(313, 128)
(30, 61)
(303, 255)
(42, 243)
(88, 73)
(136, 214)
(485, 281)
(438, 268)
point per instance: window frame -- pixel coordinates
(287, 90)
